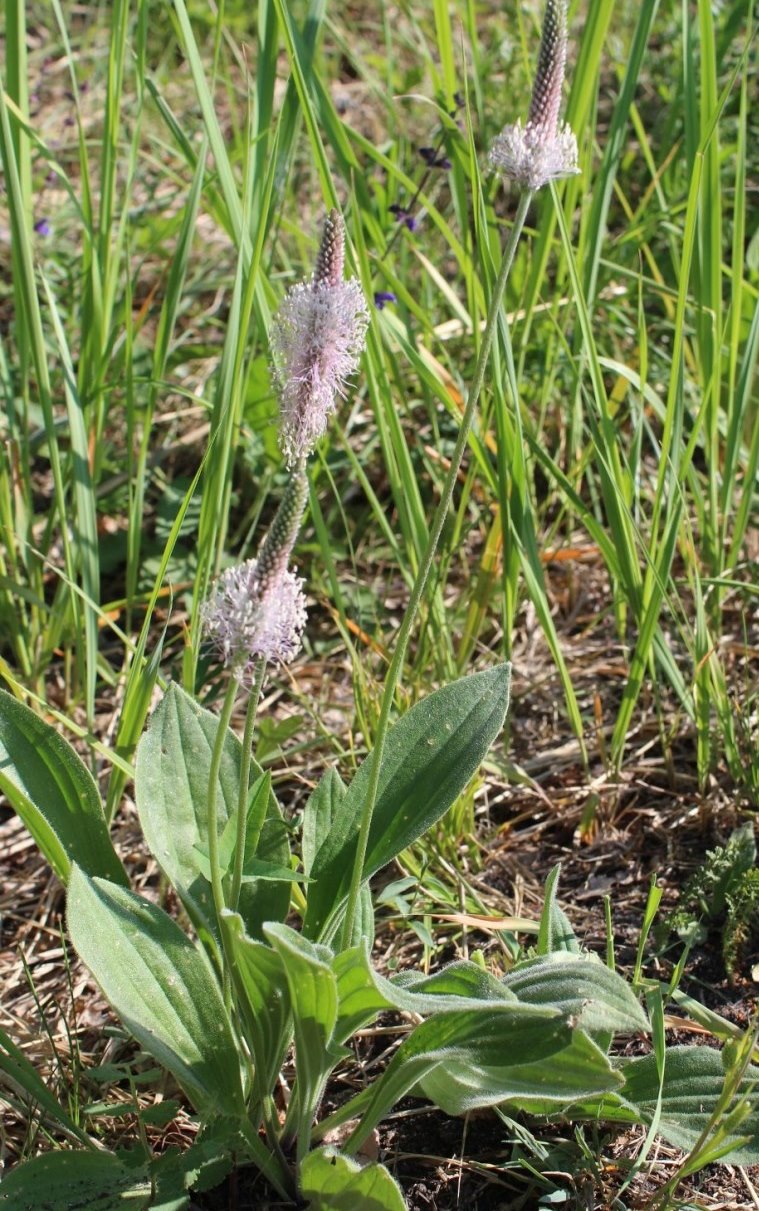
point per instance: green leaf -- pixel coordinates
(495, 1053)
(59, 1181)
(450, 987)
(202, 1166)
(337, 1183)
(171, 787)
(265, 993)
(363, 992)
(320, 811)
(693, 1081)
(161, 986)
(430, 755)
(54, 794)
(583, 987)
(555, 931)
(314, 1001)
(563, 1075)
(359, 999)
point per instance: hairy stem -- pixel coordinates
(425, 567)
(217, 887)
(242, 800)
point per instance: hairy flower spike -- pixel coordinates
(276, 548)
(543, 150)
(247, 620)
(552, 58)
(330, 261)
(316, 340)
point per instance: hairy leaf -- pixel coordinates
(161, 986)
(54, 794)
(693, 1081)
(430, 755)
(337, 1183)
(582, 986)
(59, 1181)
(171, 787)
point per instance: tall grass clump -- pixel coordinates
(555, 416)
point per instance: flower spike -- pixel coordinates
(247, 619)
(543, 150)
(316, 340)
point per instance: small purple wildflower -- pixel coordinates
(432, 159)
(316, 340)
(404, 216)
(543, 150)
(382, 297)
(247, 622)
(43, 228)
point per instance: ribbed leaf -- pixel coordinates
(693, 1081)
(336, 1183)
(555, 931)
(430, 755)
(584, 987)
(171, 787)
(54, 794)
(480, 1057)
(160, 985)
(262, 976)
(314, 1001)
(62, 1180)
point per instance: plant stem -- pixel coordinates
(278, 1175)
(242, 801)
(217, 888)
(422, 576)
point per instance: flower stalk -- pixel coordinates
(422, 577)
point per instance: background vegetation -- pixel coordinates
(166, 170)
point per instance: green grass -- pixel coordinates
(625, 379)
(195, 155)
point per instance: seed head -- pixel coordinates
(543, 150)
(552, 58)
(330, 260)
(276, 549)
(247, 622)
(316, 340)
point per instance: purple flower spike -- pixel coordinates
(43, 228)
(543, 150)
(382, 297)
(316, 340)
(246, 621)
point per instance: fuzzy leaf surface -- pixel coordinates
(171, 787)
(338, 1183)
(431, 754)
(261, 973)
(494, 1053)
(321, 809)
(693, 1081)
(555, 931)
(54, 794)
(161, 986)
(59, 1181)
(583, 987)
(314, 1001)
